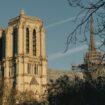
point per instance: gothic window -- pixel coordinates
(28, 68)
(2, 71)
(14, 74)
(12, 71)
(15, 34)
(9, 72)
(27, 40)
(36, 69)
(34, 42)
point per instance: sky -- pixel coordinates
(58, 18)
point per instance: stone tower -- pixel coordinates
(23, 62)
(93, 57)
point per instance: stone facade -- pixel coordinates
(23, 61)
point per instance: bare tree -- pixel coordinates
(88, 8)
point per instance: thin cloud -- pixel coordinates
(63, 21)
(69, 52)
(72, 51)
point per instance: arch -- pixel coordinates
(27, 40)
(34, 42)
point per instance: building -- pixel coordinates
(93, 58)
(23, 61)
(54, 74)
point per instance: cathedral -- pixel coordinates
(23, 60)
(92, 58)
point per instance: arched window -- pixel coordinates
(34, 42)
(36, 69)
(15, 34)
(29, 68)
(27, 40)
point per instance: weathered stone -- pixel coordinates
(24, 71)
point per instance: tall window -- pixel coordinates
(34, 42)
(15, 34)
(12, 70)
(2, 71)
(14, 73)
(27, 40)
(29, 68)
(36, 69)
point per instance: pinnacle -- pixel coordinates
(22, 12)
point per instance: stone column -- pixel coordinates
(6, 70)
(43, 66)
(20, 75)
(8, 43)
(20, 39)
(20, 65)
(43, 48)
(7, 59)
(38, 43)
(24, 40)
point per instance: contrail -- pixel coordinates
(59, 55)
(69, 52)
(63, 21)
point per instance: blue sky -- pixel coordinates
(58, 18)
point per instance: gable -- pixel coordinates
(34, 81)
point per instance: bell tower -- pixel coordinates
(25, 61)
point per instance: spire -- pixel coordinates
(22, 12)
(92, 43)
